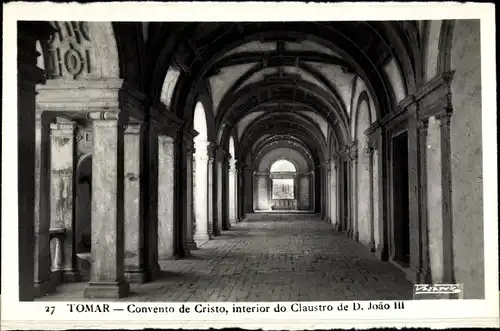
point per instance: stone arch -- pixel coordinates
(294, 192)
(445, 46)
(83, 224)
(363, 179)
(200, 173)
(432, 32)
(282, 165)
(205, 99)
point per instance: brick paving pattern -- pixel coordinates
(271, 258)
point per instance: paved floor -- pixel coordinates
(271, 258)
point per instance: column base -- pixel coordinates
(200, 239)
(356, 236)
(71, 276)
(106, 290)
(327, 219)
(136, 276)
(191, 245)
(42, 288)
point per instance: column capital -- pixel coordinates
(423, 124)
(133, 127)
(444, 117)
(62, 128)
(353, 152)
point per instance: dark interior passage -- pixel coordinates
(401, 215)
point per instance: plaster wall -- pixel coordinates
(467, 158)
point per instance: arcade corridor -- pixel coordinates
(277, 257)
(156, 158)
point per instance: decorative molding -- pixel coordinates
(103, 115)
(165, 122)
(78, 95)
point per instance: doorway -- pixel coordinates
(401, 217)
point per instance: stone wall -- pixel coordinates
(466, 158)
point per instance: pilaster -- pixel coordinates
(211, 191)
(62, 135)
(28, 76)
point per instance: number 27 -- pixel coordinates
(50, 309)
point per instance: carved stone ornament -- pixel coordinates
(69, 51)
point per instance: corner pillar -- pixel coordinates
(439, 198)
(135, 264)
(107, 271)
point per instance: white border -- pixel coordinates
(418, 313)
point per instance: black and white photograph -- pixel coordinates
(302, 162)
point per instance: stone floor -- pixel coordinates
(271, 258)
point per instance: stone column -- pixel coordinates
(425, 272)
(312, 190)
(166, 226)
(135, 268)
(248, 190)
(201, 197)
(62, 136)
(28, 76)
(220, 203)
(327, 192)
(368, 151)
(107, 274)
(414, 206)
(335, 214)
(151, 176)
(380, 145)
(191, 244)
(211, 190)
(240, 191)
(439, 198)
(225, 193)
(42, 205)
(232, 191)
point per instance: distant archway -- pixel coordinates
(283, 191)
(233, 197)
(200, 175)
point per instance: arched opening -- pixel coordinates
(83, 224)
(200, 176)
(233, 200)
(283, 185)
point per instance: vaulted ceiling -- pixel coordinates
(302, 71)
